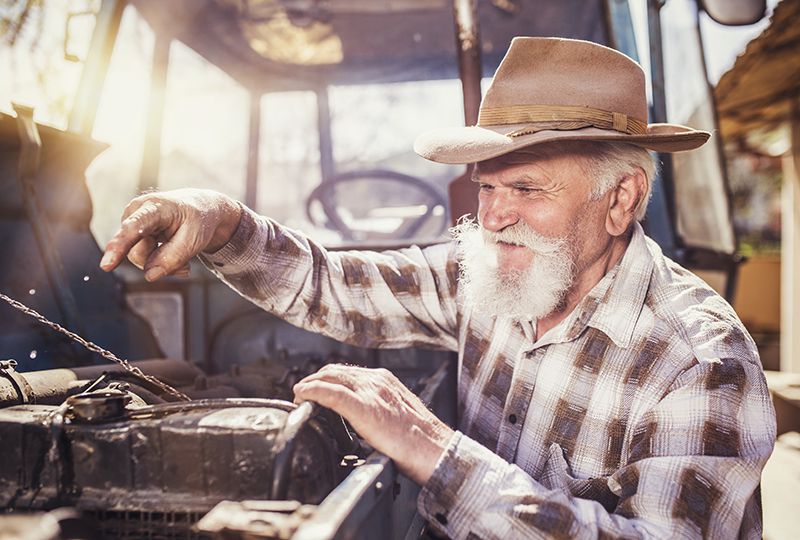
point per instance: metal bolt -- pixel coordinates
(8, 364)
(351, 461)
(305, 512)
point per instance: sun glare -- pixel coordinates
(122, 112)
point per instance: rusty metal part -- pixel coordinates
(287, 439)
(468, 47)
(462, 191)
(176, 458)
(108, 355)
(255, 519)
(351, 461)
(93, 407)
(53, 386)
(169, 370)
(57, 524)
(50, 387)
(20, 385)
(284, 447)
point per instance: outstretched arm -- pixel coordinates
(398, 298)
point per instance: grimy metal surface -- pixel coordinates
(53, 386)
(158, 469)
(372, 501)
(179, 457)
(375, 501)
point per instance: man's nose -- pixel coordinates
(498, 214)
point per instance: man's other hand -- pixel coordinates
(384, 412)
(162, 231)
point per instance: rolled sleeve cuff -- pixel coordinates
(463, 482)
(244, 247)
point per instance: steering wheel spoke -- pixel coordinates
(419, 204)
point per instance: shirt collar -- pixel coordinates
(613, 306)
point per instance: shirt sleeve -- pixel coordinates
(692, 468)
(388, 299)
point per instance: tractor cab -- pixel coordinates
(306, 111)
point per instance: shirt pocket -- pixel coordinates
(557, 475)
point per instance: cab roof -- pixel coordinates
(278, 45)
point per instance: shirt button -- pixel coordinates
(512, 418)
(441, 518)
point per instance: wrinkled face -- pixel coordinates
(539, 227)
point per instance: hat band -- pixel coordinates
(559, 117)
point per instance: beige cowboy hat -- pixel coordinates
(549, 89)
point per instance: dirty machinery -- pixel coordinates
(93, 446)
(141, 458)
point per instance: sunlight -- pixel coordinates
(122, 112)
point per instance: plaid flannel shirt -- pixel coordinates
(645, 413)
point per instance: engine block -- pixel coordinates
(167, 463)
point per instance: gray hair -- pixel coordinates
(611, 162)
(607, 163)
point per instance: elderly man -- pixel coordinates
(604, 390)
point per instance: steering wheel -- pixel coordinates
(432, 204)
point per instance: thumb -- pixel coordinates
(149, 219)
(174, 254)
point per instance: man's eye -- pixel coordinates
(525, 189)
(486, 187)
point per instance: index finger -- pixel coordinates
(145, 221)
(336, 397)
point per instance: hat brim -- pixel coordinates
(462, 145)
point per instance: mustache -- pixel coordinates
(531, 292)
(520, 234)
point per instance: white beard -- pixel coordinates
(531, 293)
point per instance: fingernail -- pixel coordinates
(106, 260)
(154, 273)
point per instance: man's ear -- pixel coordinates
(623, 202)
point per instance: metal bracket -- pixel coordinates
(284, 447)
(18, 381)
(255, 519)
(98, 406)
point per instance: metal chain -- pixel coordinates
(108, 355)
